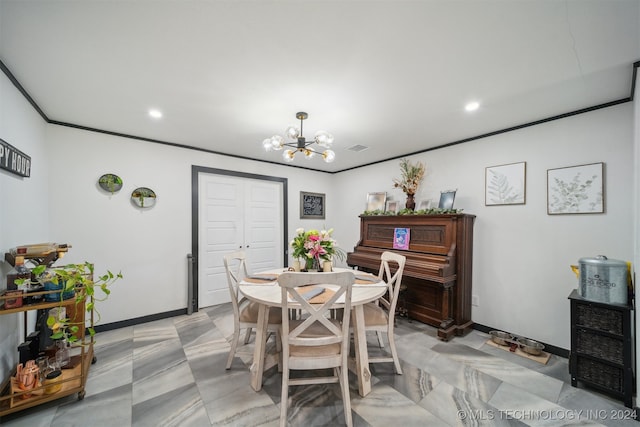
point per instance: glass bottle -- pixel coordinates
(62, 354)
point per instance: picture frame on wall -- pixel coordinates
(505, 184)
(376, 201)
(312, 205)
(576, 189)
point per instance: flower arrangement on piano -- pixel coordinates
(314, 247)
(412, 175)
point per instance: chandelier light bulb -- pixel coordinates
(293, 132)
(277, 142)
(267, 145)
(324, 138)
(288, 155)
(329, 156)
(308, 154)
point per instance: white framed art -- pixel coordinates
(505, 184)
(576, 189)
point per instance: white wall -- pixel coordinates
(148, 246)
(522, 255)
(23, 201)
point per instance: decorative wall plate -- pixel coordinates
(110, 182)
(143, 197)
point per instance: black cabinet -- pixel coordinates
(602, 354)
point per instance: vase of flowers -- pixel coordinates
(315, 247)
(412, 175)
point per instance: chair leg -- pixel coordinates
(346, 397)
(284, 397)
(247, 335)
(380, 340)
(234, 346)
(279, 350)
(394, 352)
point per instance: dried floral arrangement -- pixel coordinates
(412, 175)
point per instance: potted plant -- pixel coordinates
(412, 175)
(110, 182)
(74, 281)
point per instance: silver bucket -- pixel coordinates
(603, 280)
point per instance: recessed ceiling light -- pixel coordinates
(156, 114)
(472, 106)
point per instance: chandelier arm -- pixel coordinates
(298, 146)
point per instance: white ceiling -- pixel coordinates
(390, 75)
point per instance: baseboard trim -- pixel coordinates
(139, 320)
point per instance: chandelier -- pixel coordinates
(322, 139)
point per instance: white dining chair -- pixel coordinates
(379, 316)
(245, 312)
(315, 341)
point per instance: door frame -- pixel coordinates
(192, 306)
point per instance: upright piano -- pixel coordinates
(437, 274)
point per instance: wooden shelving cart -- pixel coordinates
(72, 380)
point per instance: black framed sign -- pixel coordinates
(14, 160)
(312, 205)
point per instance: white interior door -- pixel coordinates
(236, 213)
(263, 225)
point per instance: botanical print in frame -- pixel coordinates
(576, 189)
(376, 201)
(505, 184)
(312, 205)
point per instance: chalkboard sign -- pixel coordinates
(311, 205)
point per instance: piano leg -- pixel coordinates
(447, 328)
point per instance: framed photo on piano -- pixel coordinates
(446, 199)
(376, 201)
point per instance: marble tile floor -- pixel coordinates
(171, 372)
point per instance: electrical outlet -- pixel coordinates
(475, 300)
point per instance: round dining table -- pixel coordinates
(263, 288)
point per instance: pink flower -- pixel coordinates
(317, 251)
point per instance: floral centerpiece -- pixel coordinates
(412, 175)
(315, 247)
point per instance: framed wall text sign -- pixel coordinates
(311, 205)
(14, 160)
